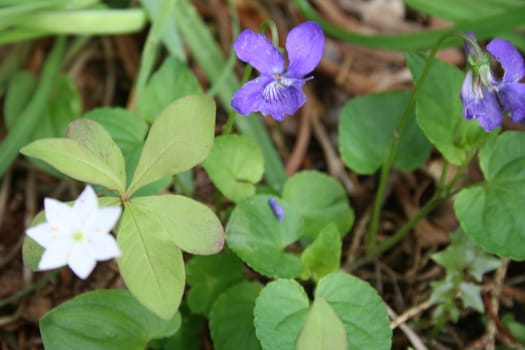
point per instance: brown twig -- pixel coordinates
(301, 145)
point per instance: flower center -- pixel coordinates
(275, 90)
(78, 236)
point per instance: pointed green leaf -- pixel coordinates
(231, 318)
(471, 296)
(256, 235)
(235, 165)
(151, 264)
(75, 160)
(209, 276)
(171, 81)
(323, 256)
(490, 212)
(97, 139)
(323, 329)
(279, 315)
(367, 128)
(76, 324)
(360, 308)
(320, 200)
(439, 111)
(192, 226)
(179, 138)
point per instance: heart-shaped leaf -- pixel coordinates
(171, 81)
(235, 165)
(320, 200)
(179, 138)
(257, 236)
(439, 112)
(279, 315)
(490, 212)
(366, 130)
(231, 318)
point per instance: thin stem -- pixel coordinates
(41, 282)
(387, 165)
(228, 127)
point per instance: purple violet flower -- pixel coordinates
(276, 208)
(486, 98)
(277, 91)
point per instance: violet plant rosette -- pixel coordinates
(278, 90)
(485, 97)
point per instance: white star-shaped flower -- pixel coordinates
(76, 235)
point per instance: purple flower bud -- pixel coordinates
(276, 208)
(277, 91)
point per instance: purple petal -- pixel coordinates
(249, 98)
(278, 211)
(256, 50)
(512, 97)
(509, 58)
(480, 104)
(284, 100)
(304, 45)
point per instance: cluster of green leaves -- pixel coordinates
(462, 260)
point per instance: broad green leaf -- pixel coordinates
(209, 276)
(463, 256)
(235, 164)
(516, 328)
(192, 226)
(96, 139)
(173, 80)
(256, 235)
(151, 264)
(366, 130)
(75, 160)
(279, 315)
(126, 324)
(320, 200)
(323, 329)
(439, 112)
(179, 138)
(231, 318)
(130, 140)
(490, 212)
(323, 255)
(360, 308)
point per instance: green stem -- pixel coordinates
(41, 282)
(228, 127)
(22, 131)
(387, 165)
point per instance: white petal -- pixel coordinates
(106, 219)
(59, 214)
(80, 261)
(43, 234)
(55, 256)
(103, 246)
(86, 204)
